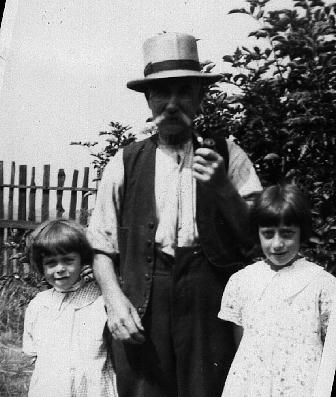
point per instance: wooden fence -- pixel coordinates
(19, 211)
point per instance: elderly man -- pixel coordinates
(167, 227)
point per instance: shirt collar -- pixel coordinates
(177, 152)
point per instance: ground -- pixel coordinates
(15, 367)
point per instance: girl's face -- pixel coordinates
(280, 244)
(62, 270)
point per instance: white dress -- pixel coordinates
(284, 315)
(65, 332)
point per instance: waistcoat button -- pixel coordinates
(151, 225)
(149, 259)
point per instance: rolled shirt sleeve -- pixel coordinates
(241, 171)
(104, 221)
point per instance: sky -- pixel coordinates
(65, 63)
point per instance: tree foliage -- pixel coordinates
(284, 116)
(118, 136)
(285, 113)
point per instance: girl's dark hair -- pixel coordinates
(59, 237)
(285, 204)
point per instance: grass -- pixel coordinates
(15, 370)
(15, 367)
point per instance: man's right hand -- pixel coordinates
(123, 320)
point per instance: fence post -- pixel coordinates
(5, 269)
(11, 192)
(32, 198)
(84, 204)
(22, 207)
(45, 193)
(73, 199)
(10, 217)
(2, 214)
(59, 193)
(22, 211)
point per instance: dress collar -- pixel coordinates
(295, 278)
(82, 297)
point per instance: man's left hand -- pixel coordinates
(208, 167)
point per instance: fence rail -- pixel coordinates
(24, 205)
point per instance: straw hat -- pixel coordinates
(171, 55)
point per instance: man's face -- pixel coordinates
(174, 103)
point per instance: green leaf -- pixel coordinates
(238, 11)
(260, 14)
(227, 76)
(228, 58)
(271, 157)
(258, 34)
(316, 240)
(278, 38)
(300, 3)
(240, 78)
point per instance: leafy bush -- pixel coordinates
(284, 116)
(16, 368)
(15, 294)
(285, 113)
(117, 137)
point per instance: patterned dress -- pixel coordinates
(284, 314)
(65, 332)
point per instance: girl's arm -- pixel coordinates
(237, 334)
(326, 298)
(325, 378)
(232, 304)
(28, 339)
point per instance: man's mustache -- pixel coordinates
(180, 116)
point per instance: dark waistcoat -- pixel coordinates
(136, 233)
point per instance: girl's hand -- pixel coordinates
(123, 320)
(208, 167)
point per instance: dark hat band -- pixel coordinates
(171, 65)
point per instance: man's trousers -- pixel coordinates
(188, 350)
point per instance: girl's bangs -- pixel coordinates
(59, 239)
(275, 215)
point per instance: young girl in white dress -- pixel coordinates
(65, 326)
(280, 305)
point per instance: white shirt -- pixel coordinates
(175, 193)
